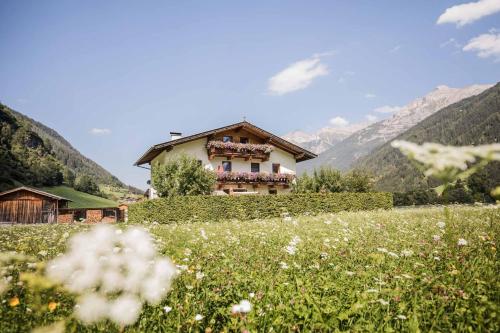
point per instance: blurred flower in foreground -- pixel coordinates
(449, 163)
(114, 272)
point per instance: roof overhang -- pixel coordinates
(300, 153)
(34, 190)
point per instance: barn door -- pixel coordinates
(48, 212)
(29, 211)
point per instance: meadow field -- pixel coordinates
(418, 269)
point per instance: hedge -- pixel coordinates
(182, 209)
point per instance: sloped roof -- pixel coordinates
(34, 190)
(300, 153)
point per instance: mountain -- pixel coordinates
(324, 138)
(68, 155)
(343, 154)
(50, 146)
(472, 121)
(25, 158)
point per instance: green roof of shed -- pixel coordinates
(80, 199)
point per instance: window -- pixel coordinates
(255, 167)
(227, 138)
(243, 140)
(109, 213)
(276, 168)
(239, 190)
(226, 166)
(273, 191)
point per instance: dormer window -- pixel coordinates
(243, 140)
(227, 138)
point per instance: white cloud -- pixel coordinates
(100, 131)
(370, 95)
(339, 122)
(387, 109)
(395, 49)
(485, 45)
(298, 75)
(469, 12)
(452, 41)
(371, 118)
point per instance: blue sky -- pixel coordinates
(115, 77)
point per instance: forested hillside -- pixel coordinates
(68, 155)
(34, 154)
(472, 121)
(24, 156)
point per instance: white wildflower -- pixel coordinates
(203, 234)
(401, 317)
(462, 242)
(167, 309)
(198, 317)
(115, 262)
(243, 307)
(441, 225)
(436, 238)
(407, 253)
(199, 275)
(283, 265)
(383, 302)
(125, 310)
(92, 308)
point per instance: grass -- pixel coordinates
(362, 271)
(80, 199)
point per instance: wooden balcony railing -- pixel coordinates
(242, 150)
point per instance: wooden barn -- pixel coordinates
(29, 205)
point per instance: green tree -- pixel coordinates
(88, 185)
(69, 177)
(357, 181)
(327, 179)
(182, 176)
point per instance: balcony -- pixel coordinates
(255, 178)
(248, 151)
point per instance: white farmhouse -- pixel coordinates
(246, 158)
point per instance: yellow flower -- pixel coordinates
(52, 306)
(14, 301)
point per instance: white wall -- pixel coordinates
(198, 150)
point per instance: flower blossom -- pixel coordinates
(114, 262)
(243, 307)
(462, 242)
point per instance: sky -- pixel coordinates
(115, 77)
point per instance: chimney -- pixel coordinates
(175, 135)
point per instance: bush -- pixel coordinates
(182, 176)
(329, 180)
(215, 208)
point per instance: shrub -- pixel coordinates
(216, 208)
(329, 180)
(182, 176)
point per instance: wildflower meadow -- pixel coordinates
(416, 269)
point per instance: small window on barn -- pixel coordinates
(226, 166)
(273, 191)
(227, 138)
(240, 190)
(109, 213)
(243, 140)
(255, 167)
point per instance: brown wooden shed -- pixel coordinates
(29, 205)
